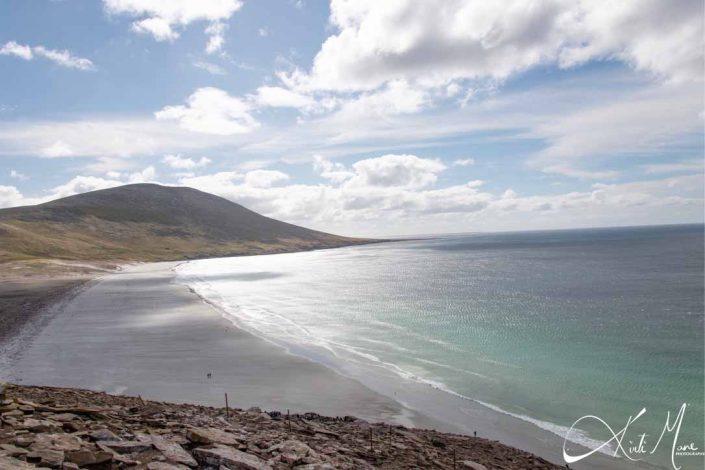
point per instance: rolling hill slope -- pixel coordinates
(149, 222)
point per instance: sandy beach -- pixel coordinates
(138, 332)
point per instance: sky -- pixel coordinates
(363, 117)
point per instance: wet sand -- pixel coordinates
(138, 332)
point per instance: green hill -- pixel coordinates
(148, 222)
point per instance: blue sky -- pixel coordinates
(363, 117)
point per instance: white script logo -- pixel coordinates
(633, 450)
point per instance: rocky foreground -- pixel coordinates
(76, 429)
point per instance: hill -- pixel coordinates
(149, 222)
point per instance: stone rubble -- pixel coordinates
(73, 429)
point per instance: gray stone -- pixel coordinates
(40, 425)
(103, 435)
(212, 436)
(24, 440)
(127, 447)
(294, 452)
(64, 417)
(470, 465)
(9, 463)
(173, 451)
(315, 466)
(46, 458)
(63, 442)
(230, 458)
(83, 458)
(12, 451)
(164, 466)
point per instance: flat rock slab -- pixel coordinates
(83, 458)
(228, 457)
(213, 436)
(127, 447)
(9, 463)
(172, 451)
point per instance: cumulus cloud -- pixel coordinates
(60, 57)
(281, 98)
(10, 196)
(216, 37)
(464, 162)
(407, 171)
(264, 178)
(377, 42)
(57, 149)
(397, 97)
(181, 163)
(163, 18)
(212, 111)
(360, 203)
(145, 176)
(82, 184)
(334, 171)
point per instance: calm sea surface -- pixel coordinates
(548, 326)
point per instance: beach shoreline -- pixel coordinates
(139, 332)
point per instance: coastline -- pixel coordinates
(138, 332)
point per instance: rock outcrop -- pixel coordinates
(77, 429)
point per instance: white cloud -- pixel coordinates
(57, 149)
(63, 58)
(281, 97)
(366, 205)
(18, 50)
(264, 178)
(157, 27)
(10, 197)
(334, 171)
(145, 176)
(109, 140)
(687, 166)
(407, 171)
(647, 121)
(181, 163)
(433, 44)
(211, 68)
(162, 18)
(263, 32)
(397, 97)
(464, 162)
(211, 111)
(216, 34)
(81, 184)
(18, 176)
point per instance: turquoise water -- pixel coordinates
(549, 326)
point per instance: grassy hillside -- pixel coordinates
(148, 222)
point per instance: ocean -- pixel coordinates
(547, 326)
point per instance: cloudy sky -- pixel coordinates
(363, 117)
